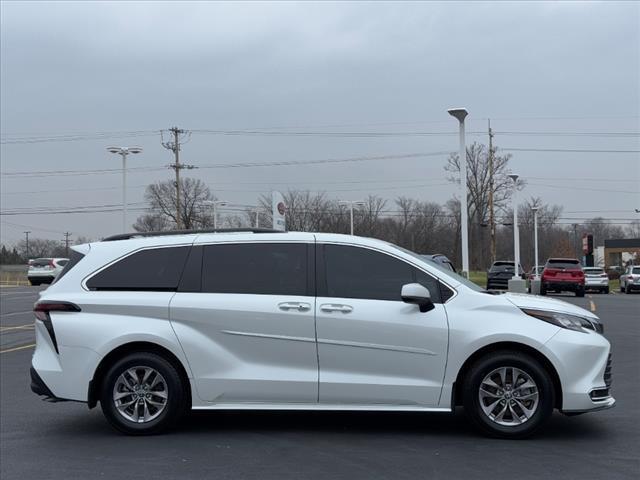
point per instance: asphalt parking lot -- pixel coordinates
(65, 440)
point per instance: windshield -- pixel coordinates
(636, 270)
(442, 268)
(563, 264)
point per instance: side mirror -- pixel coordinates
(418, 295)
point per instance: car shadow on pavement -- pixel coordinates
(378, 423)
(375, 424)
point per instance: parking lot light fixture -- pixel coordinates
(351, 203)
(516, 230)
(460, 114)
(124, 152)
(214, 204)
(535, 241)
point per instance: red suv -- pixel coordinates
(563, 275)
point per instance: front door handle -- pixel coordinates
(333, 307)
(300, 306)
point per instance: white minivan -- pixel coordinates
(154, 325)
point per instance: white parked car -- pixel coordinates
(45, 270)
(151, 327)
(595, 278)
(630, 279)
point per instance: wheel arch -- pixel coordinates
(508, 346)
(134, 347)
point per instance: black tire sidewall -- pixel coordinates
(175, 402)
(525, 363)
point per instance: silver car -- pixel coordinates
(630, 279)
(595, 278)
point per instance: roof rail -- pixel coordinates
(127, 236)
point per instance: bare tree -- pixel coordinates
(478, 188)
(152, 222)
(41, 247)
(162, 203)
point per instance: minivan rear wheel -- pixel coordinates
(508, 394)
(142, 394)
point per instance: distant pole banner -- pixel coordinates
(279, 210)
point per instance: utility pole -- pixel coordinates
(575, 239)
(27, 246)
(174, 146)
(66, 243)
(492, 223)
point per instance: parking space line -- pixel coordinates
(22, 347)
(592, 305)
(15, 313)
(18, 327)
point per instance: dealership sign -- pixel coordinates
(279, 210)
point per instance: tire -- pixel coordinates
(543, 289)
(34, 282)
(529, 370)
(162, 416)
(621, 288)
(580, 292)
(606, 290)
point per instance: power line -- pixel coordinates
(567, 150)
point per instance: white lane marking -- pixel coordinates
(592, 305)
(11, 314)
(22, 347)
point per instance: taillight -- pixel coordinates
(42, 309)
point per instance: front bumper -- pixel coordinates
(583, 362)
(633, 286)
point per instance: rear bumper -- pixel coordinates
(40, 388)
(498, 283)
(563, 286)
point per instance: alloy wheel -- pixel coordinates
(140, 394)
(508, 396)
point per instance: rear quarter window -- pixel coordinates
(74, 258)
(156, 269)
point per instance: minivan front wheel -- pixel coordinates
(508, 394)
(142, 394)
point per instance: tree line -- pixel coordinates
(421, 226)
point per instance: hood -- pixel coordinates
(536, 302)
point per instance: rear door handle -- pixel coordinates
(300, 306)
(333, 307)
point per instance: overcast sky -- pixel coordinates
(87, 68)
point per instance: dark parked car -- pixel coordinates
(441, 259)
(563, 275)
(500, 273)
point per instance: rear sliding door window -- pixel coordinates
(157, 269)
(255, 268)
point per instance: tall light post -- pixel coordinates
(123, 152)
(516, 230)
(535, 240)
(351, 203)
(460, 114)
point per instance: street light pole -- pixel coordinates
(535, 241)
(351, 203)
(214, 204)
(460, 114)
(516, 230)
(123, 152)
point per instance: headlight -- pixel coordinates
(564, 320)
